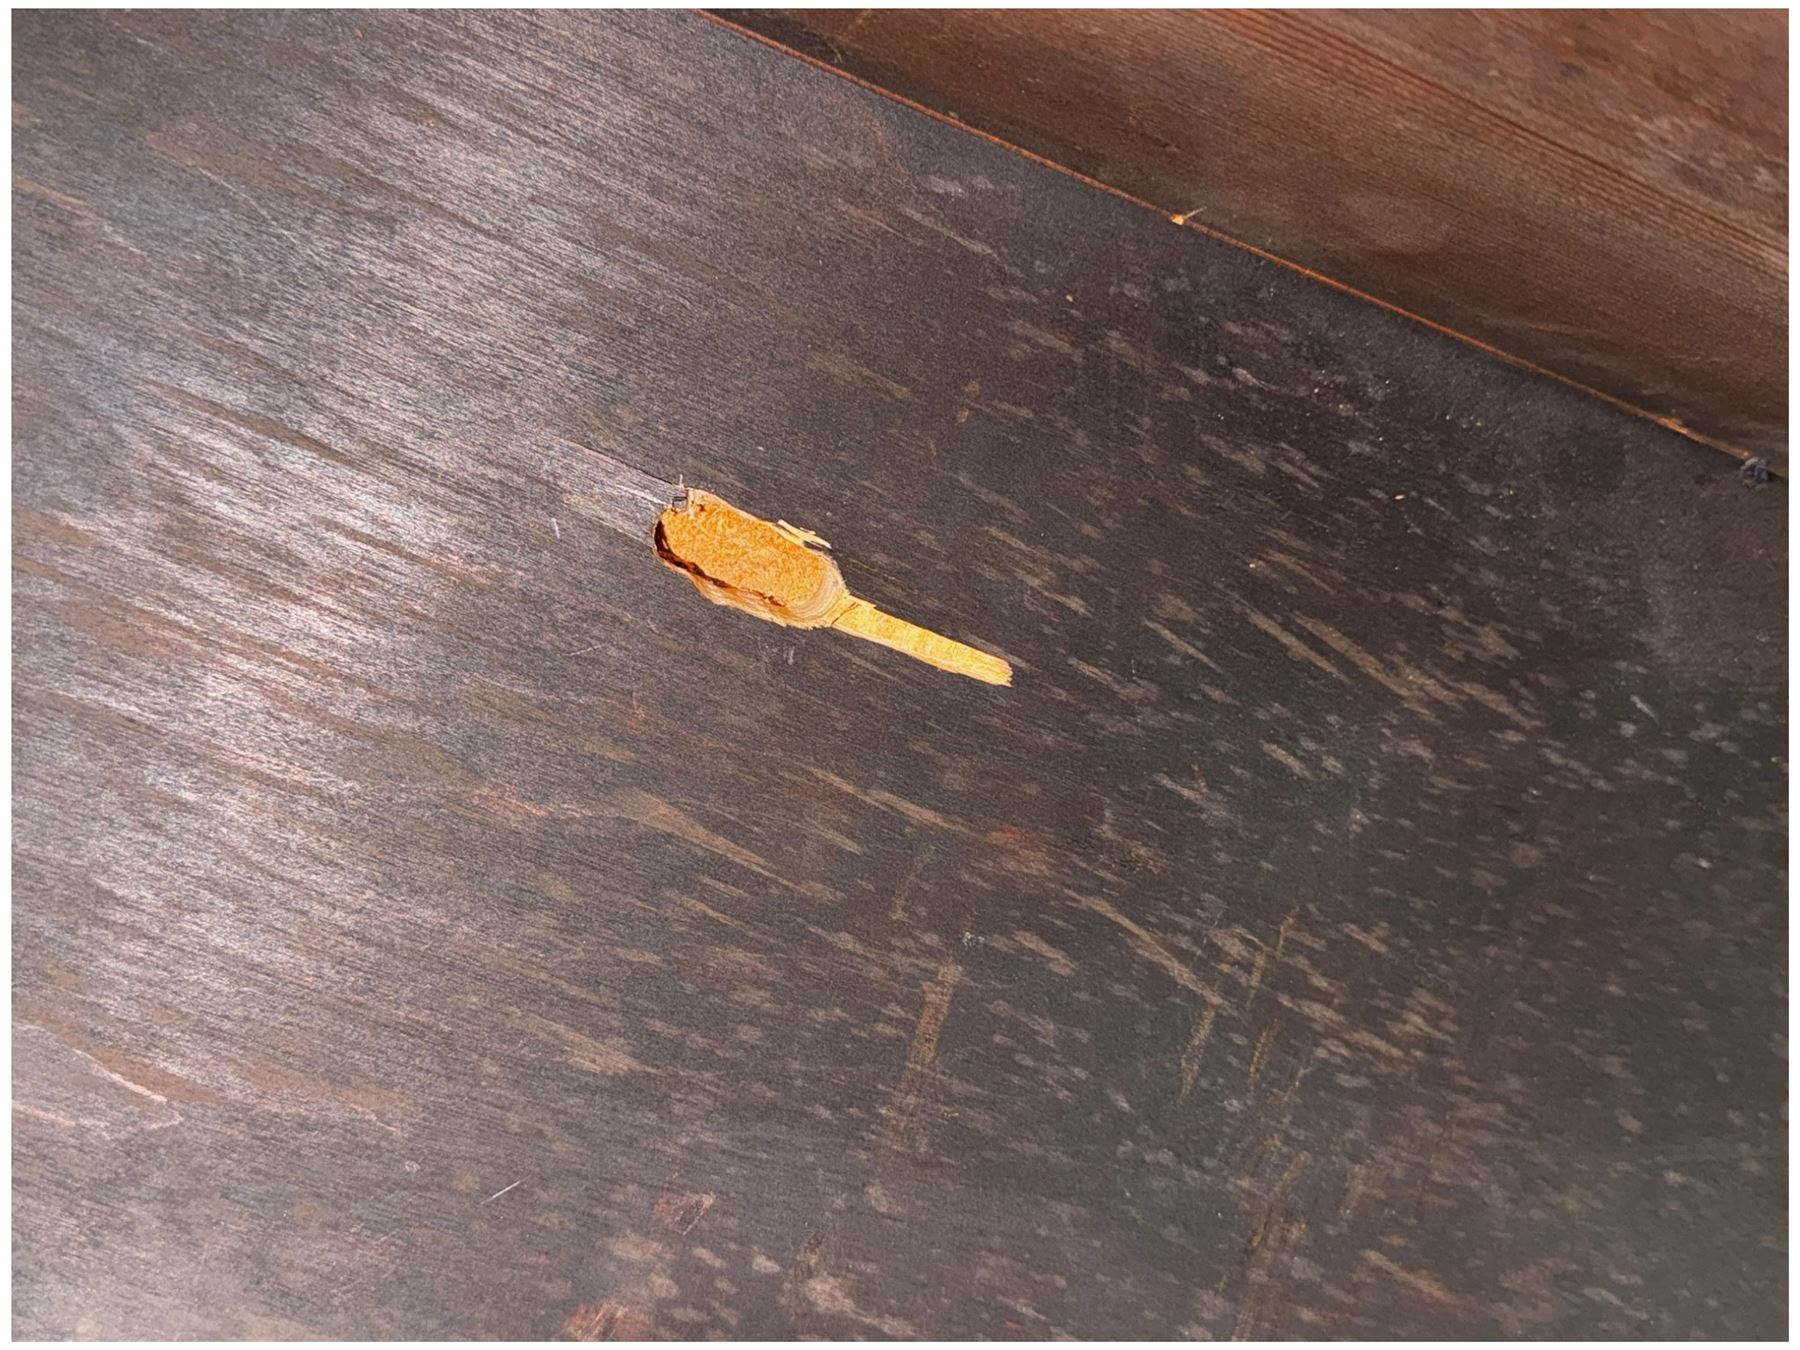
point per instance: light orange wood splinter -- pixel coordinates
(776, 572)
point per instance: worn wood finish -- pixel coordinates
(1602, 193)
(1363, 916)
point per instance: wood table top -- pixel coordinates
(1363, 915)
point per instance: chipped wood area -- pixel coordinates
(776, 572)
(1364, 917)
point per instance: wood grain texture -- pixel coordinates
(1364, 916)
(1600, 193)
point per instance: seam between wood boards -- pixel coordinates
(1183, 220)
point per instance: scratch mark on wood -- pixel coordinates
(1288, 762)
(913, 811)
(1262, 1049)
(503, 1190)
(583, 1051)
(1419, 1282)
(1353, 1189)
(1263, 954)
(1146, 946)
(1256, 974)
(1058, 961)
(1195, 1048)
(682, 1212)
(1183, 646)
(905, 888)
(1362, 660)
(808, 1263)
(1273, 1239)
(634, 804)
(906, 1132)
(608, 1321)
(1294, 646)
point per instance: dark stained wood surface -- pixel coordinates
(1600, 192)
(1365, 915)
